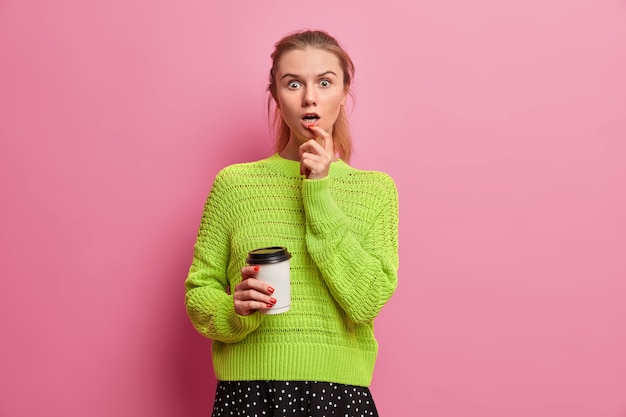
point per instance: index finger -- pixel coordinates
(255, 284)
(249, 271)
(326, 139)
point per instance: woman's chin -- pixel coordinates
(305, 136)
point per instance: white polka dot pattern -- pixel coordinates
(292, 398)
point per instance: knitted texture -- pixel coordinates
(342, 232)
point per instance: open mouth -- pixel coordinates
(310, 118)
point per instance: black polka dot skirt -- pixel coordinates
(291, 399)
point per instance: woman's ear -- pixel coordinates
(346, 91)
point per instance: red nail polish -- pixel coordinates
(269, 305)
(273, 300)
(270, 289)
(310, 126)
(256, 269)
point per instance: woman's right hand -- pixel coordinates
(252, 294)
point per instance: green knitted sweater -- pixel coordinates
(342, 232)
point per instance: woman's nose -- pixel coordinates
(309, 98)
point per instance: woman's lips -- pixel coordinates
(311, 118)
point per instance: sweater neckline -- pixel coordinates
(291, 168)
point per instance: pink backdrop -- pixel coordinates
(503, 123)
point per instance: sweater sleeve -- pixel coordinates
(209, 305)
(360, 273)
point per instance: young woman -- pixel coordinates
(340, 225)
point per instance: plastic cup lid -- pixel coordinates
(269, 255)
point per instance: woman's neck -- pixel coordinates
(291, 150)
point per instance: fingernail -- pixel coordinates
(273, 300)
(310, 126)
(270, 289)
(269, 305)
(256, 269)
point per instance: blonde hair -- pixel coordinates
(315, 39)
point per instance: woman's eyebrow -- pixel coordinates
(296, 76)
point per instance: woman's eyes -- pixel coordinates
(297, 84)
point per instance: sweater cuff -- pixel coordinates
(245, 324)
(322, 213)
(234, 327)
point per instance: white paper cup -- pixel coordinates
(274, 268)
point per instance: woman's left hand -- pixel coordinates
(317, 154)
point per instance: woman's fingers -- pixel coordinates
(323, 138)
(249, 272)
(252, 294)
(317, 154)
(251, 283)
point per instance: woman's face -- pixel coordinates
(309, 91)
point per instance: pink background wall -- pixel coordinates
(503, 123)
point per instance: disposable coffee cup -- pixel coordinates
(274, 263)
